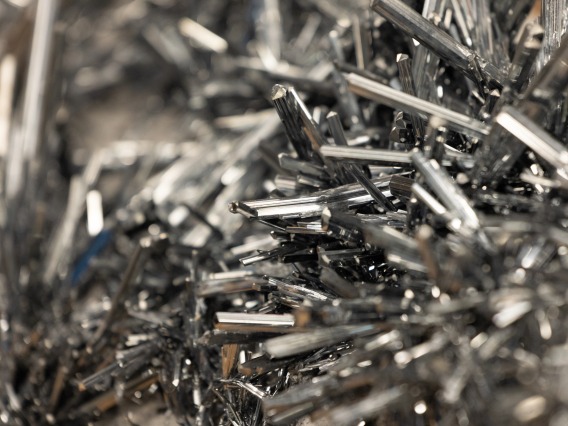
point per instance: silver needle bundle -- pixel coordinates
(283, 213)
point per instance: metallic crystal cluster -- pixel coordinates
(272, 212)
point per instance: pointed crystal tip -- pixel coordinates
(278, 91)
(401, 57)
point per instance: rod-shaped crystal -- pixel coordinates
(373, 191)
(389, 238)
(383, 157)
(405, 75)
(371, 405)
(279, 96)
(298, 343)
(307, 205)
(347, 101)
(533, 136)
(441, 43)
(201, 35)
(396, 99)
(427, 198)
(238, 318)
(338, 284)
(336, 129)
(8, 67)
(548, 86)
(446, 189)
(361, 42)
(525, 55)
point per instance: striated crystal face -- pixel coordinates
(553, 17)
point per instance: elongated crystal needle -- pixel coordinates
(396, 99)
(441, 43)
